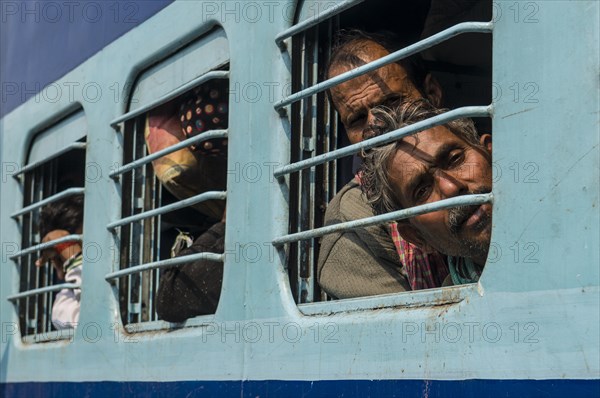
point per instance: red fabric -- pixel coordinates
(424, 270)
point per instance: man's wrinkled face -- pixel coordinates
(436, 164)
(355, 98)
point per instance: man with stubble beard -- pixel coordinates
(435, 164)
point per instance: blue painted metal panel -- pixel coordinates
(546, 147)
(326, 388)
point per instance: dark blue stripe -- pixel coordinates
(339, 388)
(40, 41)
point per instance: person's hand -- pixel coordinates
(50, 254)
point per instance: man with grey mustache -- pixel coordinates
(435, 164)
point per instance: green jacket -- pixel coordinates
(361, 262)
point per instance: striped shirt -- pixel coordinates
(424, 270)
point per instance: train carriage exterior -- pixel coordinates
(529, 327)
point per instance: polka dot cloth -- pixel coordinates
(204, 110)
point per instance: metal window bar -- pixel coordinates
(465, 27)
(43, 310)
(24, 264)
(54, 198)
(70, 147)
(220, 195)
(124, 238)
(327, 121)
(464, 200)
(150, 249)
(326, 141)
(34, 322)
(306, 190)
(142, 209)
(157, 198)
(136, 253)
(217, 257)
(314, 20)
(467, 111)
(295, 155)
(43, 246)
(35, 299)
(173, 148)
(314, 132)
(42, 290)
(172, 95)
(301, 100)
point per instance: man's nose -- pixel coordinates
(369, 122)
(450, 185)
(370, 118)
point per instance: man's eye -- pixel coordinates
(357, 121)
(421, 193)
(455, 158)
(395, 100)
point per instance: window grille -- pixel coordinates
(314, 132)
(54, 170)
(144, 233)
(316, 170)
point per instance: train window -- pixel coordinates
(172, 184)
(314, 132)
(53, 174)
(429, 36)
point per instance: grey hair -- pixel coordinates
(376, 181)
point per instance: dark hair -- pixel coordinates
(64, 214)
(349, 43)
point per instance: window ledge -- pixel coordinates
(411, 299)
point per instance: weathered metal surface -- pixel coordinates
(533, 315)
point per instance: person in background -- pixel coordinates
(194, 288)
(57, 220)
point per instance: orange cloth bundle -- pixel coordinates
(188, 171)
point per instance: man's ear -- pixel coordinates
(433, 90)
(411, 234)
(486, 141)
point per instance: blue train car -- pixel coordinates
(80, 78)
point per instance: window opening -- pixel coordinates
(313, 133)
(162, 205)
(173, 182)
(54, 173)
(321, 161)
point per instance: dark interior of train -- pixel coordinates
(462, 65)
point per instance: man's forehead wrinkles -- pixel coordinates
(430, 145)
(383, 86)
(363, 97)
(354, 102)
